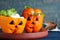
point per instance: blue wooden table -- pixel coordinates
(52, 35)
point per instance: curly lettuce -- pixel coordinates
(3, 13)
(11, 11)
(8, 12)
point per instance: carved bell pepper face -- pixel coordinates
(34, 19)
(12, 25)
(34, 24)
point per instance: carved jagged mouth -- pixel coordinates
(32, 28)
(14, 31)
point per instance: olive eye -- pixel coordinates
(28, 18)
(11, 22)
(36, 19)
(20, 23)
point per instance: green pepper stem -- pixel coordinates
(27, 6)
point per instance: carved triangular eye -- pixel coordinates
(20, 23)
(28, 18)
(11, 22)
(36, 19)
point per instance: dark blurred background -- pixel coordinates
(51, 8)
